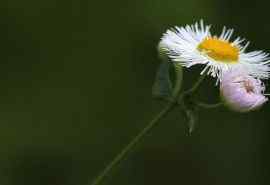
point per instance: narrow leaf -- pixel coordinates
(162, 87)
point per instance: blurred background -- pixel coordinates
(76, 79)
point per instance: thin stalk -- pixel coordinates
(209, 106)
(191, 90)
(197, 84)
(128, 148)
(120, 156)
(178, 81)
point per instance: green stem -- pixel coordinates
(191, 90)
(187, 110)
(209, 106)
(171, 104)
(123, 153)
(178, 81)
(197, 84)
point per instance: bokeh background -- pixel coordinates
(76, 79)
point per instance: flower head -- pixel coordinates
(191, 45)
(241, 92)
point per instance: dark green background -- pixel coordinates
(76, 81)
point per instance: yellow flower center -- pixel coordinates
(219, 50)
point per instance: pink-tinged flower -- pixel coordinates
(241, 92)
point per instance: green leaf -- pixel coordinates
(162, 87)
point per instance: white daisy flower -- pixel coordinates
(241, 92)
(191, 45)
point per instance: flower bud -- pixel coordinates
(241, 92)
